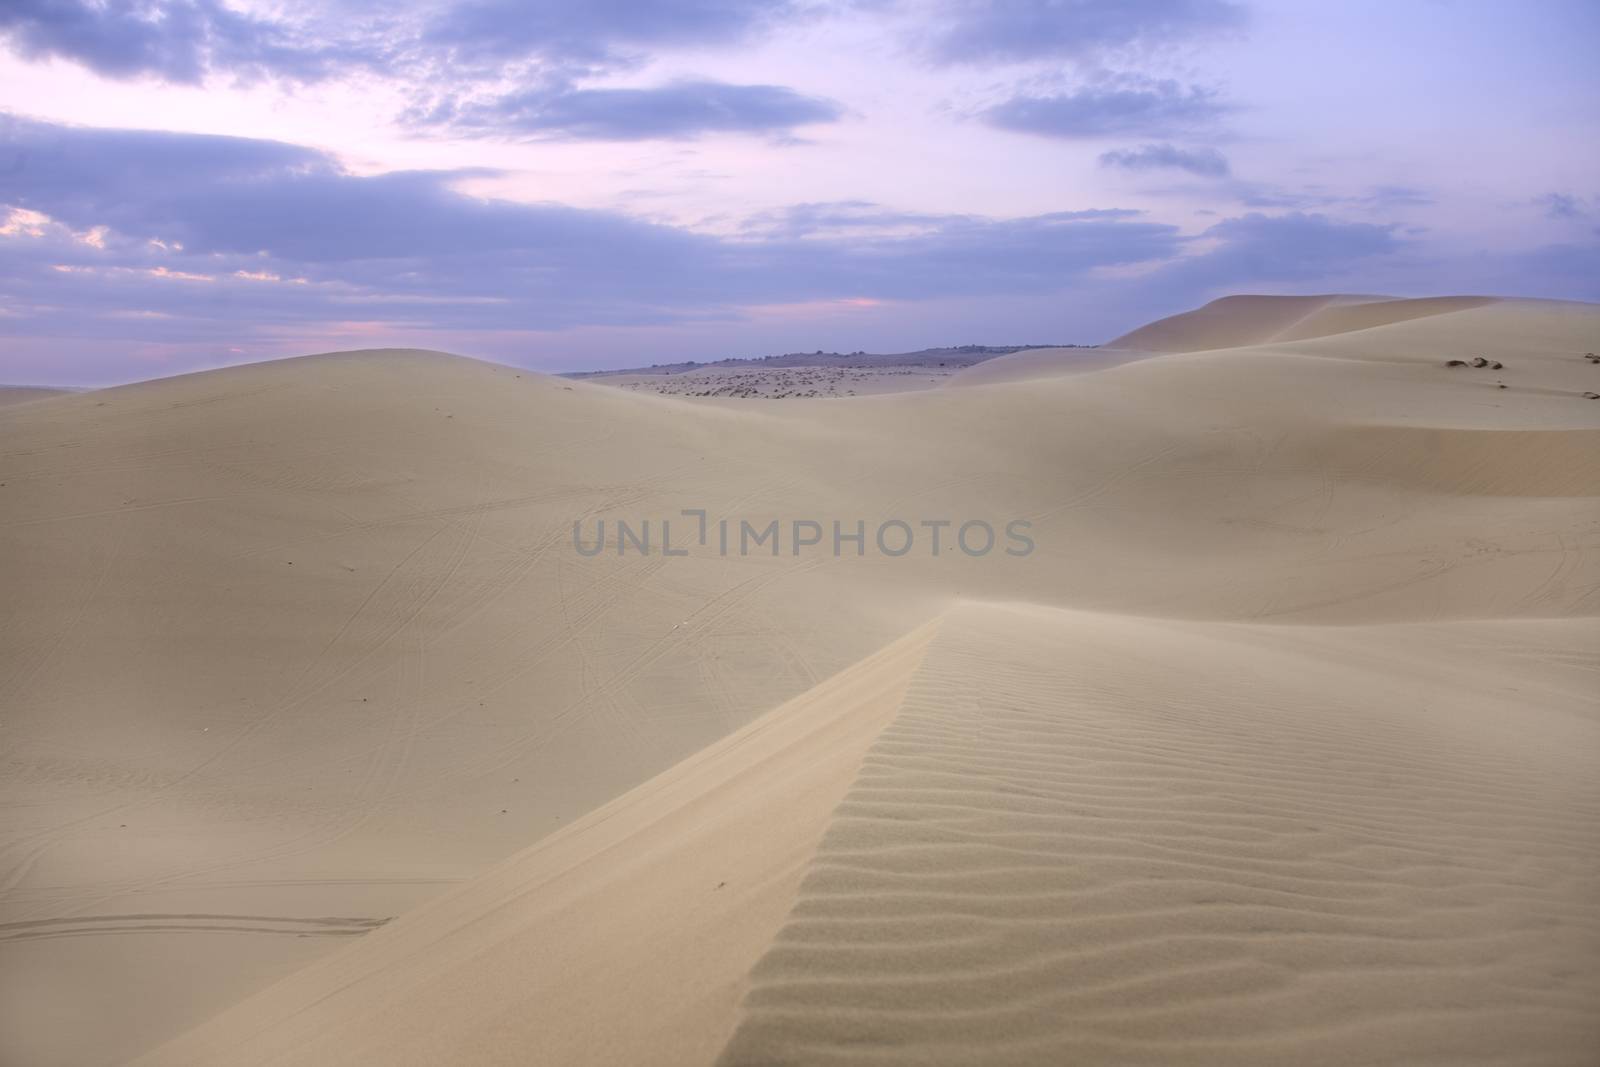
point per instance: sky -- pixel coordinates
(575, 184)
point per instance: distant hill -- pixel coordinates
(958, 356)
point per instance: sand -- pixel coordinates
(22, 394)
(721, 840)
(1089, 839)
(1278, 746)
(1037, 363)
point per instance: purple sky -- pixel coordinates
(582, 183)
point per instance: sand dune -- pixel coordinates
(1037, 363)
(394, 668)
(1074, 837)
(1237, 321)
(306, 648)
(1228, 322)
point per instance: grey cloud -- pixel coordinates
(1393, 196)
(1131, 107)
(174, 40)
(1206, 162)
(1373, 198)
(278, 240)
(407, 246)
(683, 109)
(1266, 195)
(1293, 247)
(184, 41)
(983, 31)
(1561, 206)
(1563, 270)
(859, 218)
(591, 30)
(450, 56)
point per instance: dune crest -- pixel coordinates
(671, 890)
(1240, 321)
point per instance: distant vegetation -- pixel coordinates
(957, 356)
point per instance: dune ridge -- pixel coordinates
(1346, 316)
(671, 889)
(1243, 321)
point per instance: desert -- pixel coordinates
(799, 533)
(1253, 746)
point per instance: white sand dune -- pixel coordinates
(305, 648)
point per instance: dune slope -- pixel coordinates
(1101, 840)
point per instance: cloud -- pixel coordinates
(174, 40)
(189, 228)
(680, 110)
(990, 31)
(1258, 195)
(1569, 271)
(1294, 247)
(837, 218)
(591, 31)
(1384, 198)
(1206, 162)
(184, 41)
(455, 59)
(862, 218)
(1561, 206)
(1393, 196)
(1132, 106)
(111, 239)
